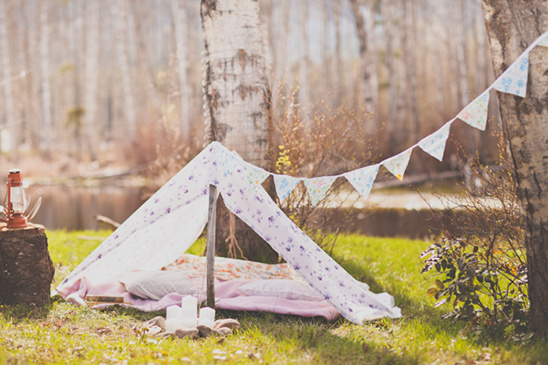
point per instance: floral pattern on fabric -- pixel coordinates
(318, 187)
(398, 164)
(434, 144)
(362, 179)
(255, 175)
(231, 269)
(543, 42)
(475, 113)
(285, 185)
(169, 222)
(514, 79)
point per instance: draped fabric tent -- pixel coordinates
(168, 223)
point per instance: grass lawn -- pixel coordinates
(64, 333)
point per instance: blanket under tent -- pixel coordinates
(169, 222)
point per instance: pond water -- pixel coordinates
(76, 208)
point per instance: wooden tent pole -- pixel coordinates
(210, 270)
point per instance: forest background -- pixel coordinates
(120, 82)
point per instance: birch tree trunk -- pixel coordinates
(410, 48)
(338, 64)
(180, 20)
(237, 100)
(396, 74)
(7, 80)
(31, 107)
(119, 9)
(363, 14)
(304, 64)
(512, 25)
(47, 123)
(91, 77)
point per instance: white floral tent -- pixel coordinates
(167, 224)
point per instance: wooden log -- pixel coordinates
(26, 269)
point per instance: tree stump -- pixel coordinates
(26, 269)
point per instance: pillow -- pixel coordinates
(288, 289)
(157, 284)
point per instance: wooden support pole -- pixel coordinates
(210, 270)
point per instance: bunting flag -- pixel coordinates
(285, 185)
(543, 42)
(397, 164)
(514, 79)
(475, 113)
(255, 175)
(434, 144)
(362, 179)
(318, 186)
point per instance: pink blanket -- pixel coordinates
(227, 296)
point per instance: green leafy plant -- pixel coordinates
(480, 260)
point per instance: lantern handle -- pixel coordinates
(3, 215)
(35, 209)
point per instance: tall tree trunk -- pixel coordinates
(512, 25)
(326, 49)
(180, 20)
(410, 49)
(91, 77)
(47, 123)
(237, 100)
(396, 75)
(304, 63)
(32, 106)
(120, 14)
(363, 14)
(338, 64)
(7, 81)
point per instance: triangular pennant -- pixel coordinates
(434, 144)
(255, 175)
(397, 164)
(543, 42)
(475, 113)
(362, 179)
(285, 185)
(318, 186)
(514, 80)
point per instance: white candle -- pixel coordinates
(190, 306)
(173, 323)
(207, 316)
(174, 312)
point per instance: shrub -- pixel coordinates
(481, 261)
(318, 142)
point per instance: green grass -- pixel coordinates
(62, 333)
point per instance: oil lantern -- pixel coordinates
(16, 202)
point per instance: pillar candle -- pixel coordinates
(207, 316)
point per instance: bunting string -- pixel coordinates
(512, 81)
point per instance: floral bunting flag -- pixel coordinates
(362, 179)
(255, 175)
(318, 186)
(397, 164)
(475, 113)
(434, 144)
(285, 185)
(514, 80)
(544, 42)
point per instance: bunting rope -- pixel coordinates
(512, 81)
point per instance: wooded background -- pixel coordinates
(83, 77)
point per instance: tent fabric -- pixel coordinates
(167, 224)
